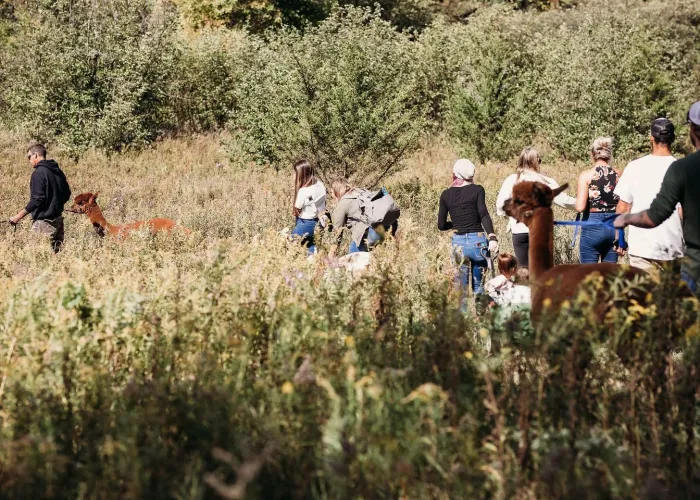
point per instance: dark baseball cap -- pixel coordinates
(662, 128)
(694, 113)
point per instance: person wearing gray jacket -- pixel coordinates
(347, 214)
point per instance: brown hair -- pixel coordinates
(507, 265)
(303, 176)
(340, 187)
(36, 148)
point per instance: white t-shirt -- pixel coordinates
(311, 200)
(639, 185)
(562, 199)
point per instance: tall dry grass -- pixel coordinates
(125, 365)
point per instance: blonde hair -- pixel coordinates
(602, 148)
(529, 160)
(529, 166)
(341, 186)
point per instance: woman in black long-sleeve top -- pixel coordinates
(474, 239)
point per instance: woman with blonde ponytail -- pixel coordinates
(596, 199)
(528, 170)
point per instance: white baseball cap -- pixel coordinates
(464, 169)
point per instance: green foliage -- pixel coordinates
(94, 76)
(486, 110)
(258, 16)
(344, 94)
(601, 77)
(202, 95)
(567, 77)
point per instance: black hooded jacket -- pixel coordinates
(48, 191)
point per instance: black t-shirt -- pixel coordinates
(466, 207)
(682, 185)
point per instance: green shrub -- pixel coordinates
(344, 94)
(601, 77)
(202, 93)
(488, 112)
(93, 75)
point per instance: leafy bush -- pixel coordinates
(94, 76)
(567, 77)
(202, 94)
(344, 95)
(601, 77)
(487, 111)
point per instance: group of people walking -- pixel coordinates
(663, 194)
(657, 195)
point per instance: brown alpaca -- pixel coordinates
(86, 204)
(531, 204)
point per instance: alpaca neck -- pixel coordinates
(99, 222)
(541, 251)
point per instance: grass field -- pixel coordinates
(139, 368)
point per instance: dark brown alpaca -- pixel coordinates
(531, 204)
(86, 203)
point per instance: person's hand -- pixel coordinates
(15, 220)
(493, 247)
(620, 251)
(620, 222)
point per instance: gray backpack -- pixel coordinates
(378, 207)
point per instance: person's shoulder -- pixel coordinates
(510, 179)
(692, 159)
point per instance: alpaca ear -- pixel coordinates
(541, 194)
(560, 189)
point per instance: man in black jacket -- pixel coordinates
(48, 192)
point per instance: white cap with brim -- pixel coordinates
(464, 169)
(694, 113)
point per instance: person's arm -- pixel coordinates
(582, 192)
(640, 219)
(339, 216)
(37, 196)
(505, 192)
(20, 215)
(299, 202)
(484, 215)
(623, 207)
(562, 199)
(443, 223)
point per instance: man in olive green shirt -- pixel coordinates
(681, 185)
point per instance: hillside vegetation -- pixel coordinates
(224, 364)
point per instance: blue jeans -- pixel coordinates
(372, 238)
(304, 230)
(470, 250)
(691, 282)
(597, 242)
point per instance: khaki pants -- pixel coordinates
(653, 266)
(53, 228)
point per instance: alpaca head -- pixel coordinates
(83, 203)
(528, 197)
